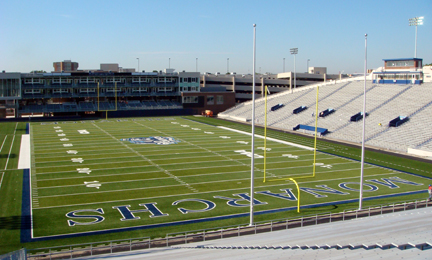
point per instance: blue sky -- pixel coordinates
(34, 34)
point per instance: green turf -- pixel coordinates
(203, 165)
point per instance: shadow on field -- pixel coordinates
(6, 156)
(14, 222)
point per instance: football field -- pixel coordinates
(91, 177)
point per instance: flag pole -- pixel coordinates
(364, 128)
(253, 133)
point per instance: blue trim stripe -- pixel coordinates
(27, 128)
(26, 219)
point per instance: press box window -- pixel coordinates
(210, 100)
(190, 99)
(219, 100)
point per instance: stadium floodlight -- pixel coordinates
(364, 128)
(251, 222)
(415, 22)
(307, 69)
(283, 70)
(196, 64)
(294, 51)
(138, 65)
(227, 65)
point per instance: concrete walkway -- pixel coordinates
(412, 226)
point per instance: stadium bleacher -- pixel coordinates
(383, 101)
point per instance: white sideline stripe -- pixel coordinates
(4, 140)
(269, 138)
(24, 155)
(10, 150)
(1, 181)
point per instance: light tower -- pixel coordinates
(294, 51)
(415, 22)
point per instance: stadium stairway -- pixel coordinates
(404, 246)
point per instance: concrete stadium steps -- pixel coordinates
(403, 246)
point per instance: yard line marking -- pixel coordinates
(4, 140)
(10, 150)
(1, 181)
(16, 125)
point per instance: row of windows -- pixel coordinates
(402, 63)
(93, 90)
(189, 89)
(87, 80)
(188, 80)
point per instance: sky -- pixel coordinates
(213, 36)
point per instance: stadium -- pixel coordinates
(104, 162)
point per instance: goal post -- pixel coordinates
(115, 100)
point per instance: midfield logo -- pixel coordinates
(160, 140)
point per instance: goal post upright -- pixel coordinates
(316, 130)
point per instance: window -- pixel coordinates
(113, 80)
(87, 90)
(60, 81)
(139, 90)
(219, 100)
(210, 100)
(164, 89)
(33, 81)
(190, 99)
(33, 91)
(87, 80)
(59, 91)
(111, 90)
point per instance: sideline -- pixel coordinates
(24, 155)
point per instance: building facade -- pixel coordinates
(65, 66)
(82, 93)
(242, 85)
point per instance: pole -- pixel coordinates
(363, 131)
(253, 132)
(227, 65)
(316, 133)
(138, 65)
(415, 48)
(196, 64)
(294, 72)
(307, 69)
(283, 65)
